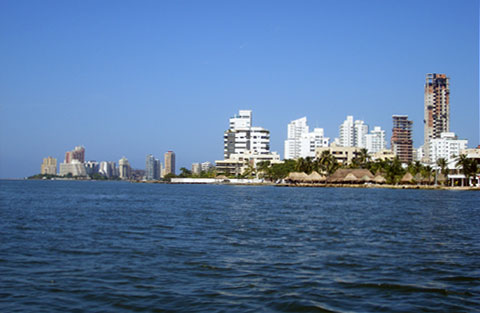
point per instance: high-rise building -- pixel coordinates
(360, 130)
(152, 168)
(375, 141)
(108, 169)
(169, 163)
(352, 133)
(124, 169)
(75, 168)
(402, 143)
(301, 142)
(242, 137)
(76, 154)
(49, 166)
(293, 144)
(347, 130)
(448, 147)
(92, 167)
(436, 109)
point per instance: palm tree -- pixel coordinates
(394, 171)
(362, 158)
(466, 165)
(442, 164)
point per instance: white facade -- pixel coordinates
(241, 137)
(448, 146)
(375, 141)
(124, 169)
(238, 163)
(360, 131)
(295, 130)
(346, 137)
(75, 167)
(302, 143)
(206, 166)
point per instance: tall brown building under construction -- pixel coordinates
(436, 109)
(402, 143)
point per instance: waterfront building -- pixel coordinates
(352, 133)
(301, 143)
(206, 166)
(238, 163)
(436, 110)
(92, 167)
(343, 155)
(346, 130)
(242, 136)
(124, 169)
(74, 167)
(196, 169)
(152, 168)
(169, 163)
(375, 141)
(401, 141)
(49, 166)
(448, 147)
(360, 130)
(76, 154)
(385, 154)
(108, 169)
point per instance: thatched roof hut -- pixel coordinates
(379, 179)
(407, 179)
(356, 176)
(314, 177)
(221, 177)
(297, 177)
(350, 178)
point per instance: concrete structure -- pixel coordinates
(206, 166)
(169, 163)
(352, 133)
(301, 143)
(385, 154)
(237, 164)
(124, 169)
(75, 168)
(92, 167)
(152, 168)
(343, 155)
(448, 147)
(375, 141)
(242, 137)
(76, 154)
(436, 109)
(108, 169)
(401, 141)
(49, 166)
(196, 169)
(360, 130)
(347, 132)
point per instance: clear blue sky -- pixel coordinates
(129, 78)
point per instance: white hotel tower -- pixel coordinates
(300, 142)
(242, 137)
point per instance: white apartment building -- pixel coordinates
(352, 133)
(74, 167)
(448, 146)
(346, 129)
(360, 130)
(238, 163)
(375, 141)
(301, 142)
(124, 169)
(242, 137)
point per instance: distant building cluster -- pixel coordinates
(246, 146)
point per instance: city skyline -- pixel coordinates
(65, 86)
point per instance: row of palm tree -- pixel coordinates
(392, 170)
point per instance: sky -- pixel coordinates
(131, 78)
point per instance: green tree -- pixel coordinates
(393, 171)
(184, 172)
(468, 166)
(442, 164)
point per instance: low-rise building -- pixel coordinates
(343, 155)
(238, 163)
(448, 147)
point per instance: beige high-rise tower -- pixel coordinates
(169, 163)
(436, 109)
(49, 166)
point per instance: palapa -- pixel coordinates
(315, 177)
(342, 173)
(379, 179)
(297, 176)
(350, 178)
(407, 178)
